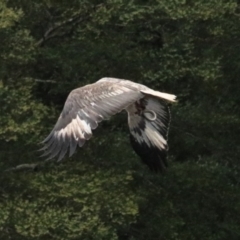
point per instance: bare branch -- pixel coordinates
(45, 81)
(23, 167)
(54, 31)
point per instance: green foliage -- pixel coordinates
(71, 204)
(189, 48)
(194, 201)
(21, 115)
(8, 16)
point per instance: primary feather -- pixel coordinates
(85, 107)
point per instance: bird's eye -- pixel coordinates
(150, 115)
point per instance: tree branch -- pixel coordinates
(45, 81)
(23, 167)
(54, 31)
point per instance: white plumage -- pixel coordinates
(85, 107)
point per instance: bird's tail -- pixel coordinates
(166, 96)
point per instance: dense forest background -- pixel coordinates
(190, 48)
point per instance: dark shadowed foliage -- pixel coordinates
(188, 48)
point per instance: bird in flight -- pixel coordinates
(85, 107)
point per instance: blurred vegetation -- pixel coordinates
(189, 48)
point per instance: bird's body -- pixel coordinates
(85, 107)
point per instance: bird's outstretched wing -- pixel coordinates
(148, 121)
(84, 108)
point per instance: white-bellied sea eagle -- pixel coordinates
(85, 107)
